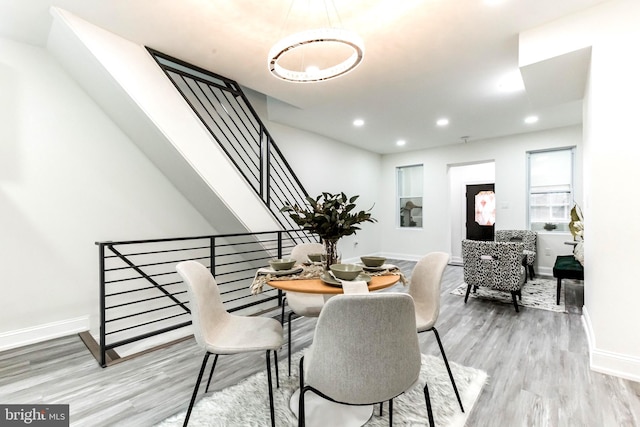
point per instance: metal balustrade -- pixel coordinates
(142, 295)
(234, 124)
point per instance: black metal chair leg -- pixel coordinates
(446, 363)
(390, 412)
(271, 408)
(301, 398)
(215, 360)
(428, 401)
(195, 389)
(515, 301)
(466, 297)
(284, 300)
(381, 408)
(275, 359)
(532, 273)
(289, 342)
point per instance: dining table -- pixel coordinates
(313, 279)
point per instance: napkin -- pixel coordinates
(354, 287)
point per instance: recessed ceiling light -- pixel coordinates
(358, 122)
(531, 119)
(511, 82)
(442, 122)
(401, 142)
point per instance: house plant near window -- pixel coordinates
(331, 217)
(576, 226)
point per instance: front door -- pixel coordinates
(481, 211)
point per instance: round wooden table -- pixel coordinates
(321, 412)
(317, 286)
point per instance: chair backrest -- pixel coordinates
(527, 237)
(301, 251)
(205, 303)
(365, 348)
(494, 264)
(425, 286)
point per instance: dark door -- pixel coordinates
(481, 211)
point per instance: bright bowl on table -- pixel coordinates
(282, 263)
(346, 271)
(315, 257)
(373, 261)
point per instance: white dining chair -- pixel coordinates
(365, 351)
(219, 332)
(301, 304)
(425, 287)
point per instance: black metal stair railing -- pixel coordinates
(142, 296)
(227, 114)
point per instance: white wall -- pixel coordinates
(509, 155)
(323, 164)
(68, 178)
(610, 174)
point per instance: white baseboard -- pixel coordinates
(26, 336)
(544, 271)
(607, 362)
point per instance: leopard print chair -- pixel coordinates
(497, 265)
(528, 238)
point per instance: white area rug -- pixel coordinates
(536, 293)
(247, 403)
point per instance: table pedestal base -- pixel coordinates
(320, 412)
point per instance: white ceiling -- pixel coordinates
(425, 59)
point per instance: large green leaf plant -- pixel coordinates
(330, 216)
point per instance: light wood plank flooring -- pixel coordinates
(537, 362)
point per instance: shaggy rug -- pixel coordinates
(536, 293)
(247, 403)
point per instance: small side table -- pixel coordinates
(566, 267)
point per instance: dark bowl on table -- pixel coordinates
(282, 263)
(345, 271)
(373, 261)
(315, 257)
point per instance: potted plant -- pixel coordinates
(330, 216)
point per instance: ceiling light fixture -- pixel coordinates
(358, 122)
(531, 119)
(401, 142)
(442, 122)
(329, 37)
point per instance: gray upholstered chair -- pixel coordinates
(497, 265)
(219, 332)
(365, 351)
(306, 305)
(426, 280)
(529, 240)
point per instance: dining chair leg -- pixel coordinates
(301, 397)
(428, 401)
(446, 363)
(275, 359)
(390, 412)
(381, 408)
(195, 389)
(271, 407)
(284, 301)
(289, 341)
(215, 360)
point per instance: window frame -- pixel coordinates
(571, 193)
(402, 198)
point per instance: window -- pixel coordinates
(550, 189)
(410, 179)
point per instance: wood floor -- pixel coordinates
(537, 363)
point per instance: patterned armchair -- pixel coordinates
(528, 238)
(496, 265)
